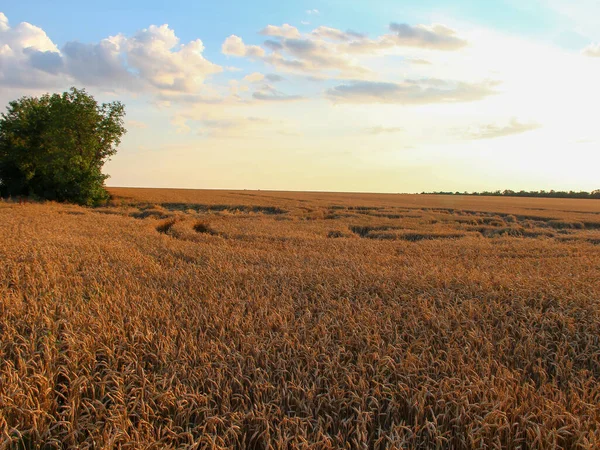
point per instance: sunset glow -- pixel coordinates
(331, 95)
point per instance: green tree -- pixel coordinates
(54, 147)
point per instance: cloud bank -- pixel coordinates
(410, 92)
(333, 52)
(151, 59)
(154, 60)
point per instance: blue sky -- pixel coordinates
(326, 95)
(92, 21)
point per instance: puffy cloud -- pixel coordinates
(152, 59)
(46, 61)
(592, 50)
(25, 35)
(234, 46)
(410, 92)
(491, 131)
(98, 64)
(295, 54)
(155, 53)
(3, 22)
(28, 57)
(153, 56)
(286, 31)
(334, 51)
(437, 37)
(315, 56)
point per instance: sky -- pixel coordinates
(326, 95)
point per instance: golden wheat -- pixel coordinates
(271, 320)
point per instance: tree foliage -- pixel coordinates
(54, 146)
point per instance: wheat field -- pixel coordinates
(278, 320)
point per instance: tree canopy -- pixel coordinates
(54, 147)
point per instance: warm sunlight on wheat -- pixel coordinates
(198, 319)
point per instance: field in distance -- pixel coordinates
(271, 320)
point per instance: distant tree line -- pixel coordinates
(542, 194)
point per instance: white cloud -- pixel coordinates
(234, 46)
(28, 57)
(3, 22)
(156, 54)
(333, 53)
(313, 12)
(25, 35)
(98, 64)
(380, 79)
(296, 55)
(153, 59)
